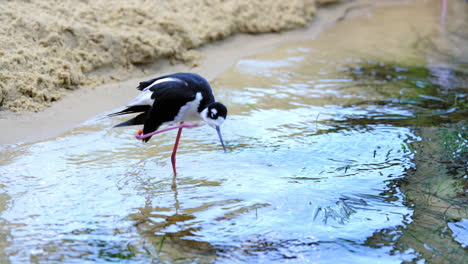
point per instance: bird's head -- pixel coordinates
(214, 115)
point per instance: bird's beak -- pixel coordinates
(220, 138)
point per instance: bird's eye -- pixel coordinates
(213, 113)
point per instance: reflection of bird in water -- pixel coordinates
(171, 99)
(156, 227)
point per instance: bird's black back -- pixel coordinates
(168, 97)
(193, 80)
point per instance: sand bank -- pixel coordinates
(51, 47)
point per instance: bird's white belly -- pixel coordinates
(189, 112)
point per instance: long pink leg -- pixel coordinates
(176, 144)
(182, 125)
(174, 151)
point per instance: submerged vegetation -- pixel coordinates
(437, 98)
(437, 187)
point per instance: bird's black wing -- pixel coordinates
(143, 85)
(168, 97)
(143, 102)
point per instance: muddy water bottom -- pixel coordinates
(320, 139)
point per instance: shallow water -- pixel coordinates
(321, 134)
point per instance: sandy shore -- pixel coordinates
(50, 47)
(82, 104)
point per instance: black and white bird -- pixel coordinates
(172, 99)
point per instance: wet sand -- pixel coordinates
(82, 104)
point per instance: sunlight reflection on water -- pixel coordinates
(96, 188)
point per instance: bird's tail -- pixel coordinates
(131, 110)
(138, 120)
